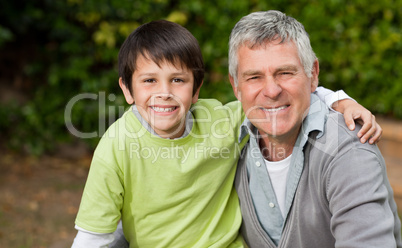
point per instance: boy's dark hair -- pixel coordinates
(161, 41)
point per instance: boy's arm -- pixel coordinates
(85, 239)
(352, 111)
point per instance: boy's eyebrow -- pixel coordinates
(151, 74)
(147, 74)
(180, 73)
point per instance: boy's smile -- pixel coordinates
(163, 95)
(163, 109)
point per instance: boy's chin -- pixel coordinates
(168, 131)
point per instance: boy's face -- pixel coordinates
(163, 95)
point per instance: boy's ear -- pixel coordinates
(127, 94)
(234, 87)
(197, 94)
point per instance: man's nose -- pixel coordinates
(271, 88)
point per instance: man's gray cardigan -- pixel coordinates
(343, 198)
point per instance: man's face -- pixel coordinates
(274, 89)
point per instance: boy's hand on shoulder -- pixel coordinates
(353, 111)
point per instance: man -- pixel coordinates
(304, 180)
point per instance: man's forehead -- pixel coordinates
(260, 59)
(285, 50)
(267, 43)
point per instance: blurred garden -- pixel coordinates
(53, 51)
(59, 85)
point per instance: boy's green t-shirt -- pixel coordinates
(168, 193)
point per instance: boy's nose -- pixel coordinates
(165, 91)
(165, 96)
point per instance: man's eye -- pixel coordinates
(253, 78)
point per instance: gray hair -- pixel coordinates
(262, 27)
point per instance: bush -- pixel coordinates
(66, 49)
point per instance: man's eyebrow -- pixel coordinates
(250, 72)
(287, 68)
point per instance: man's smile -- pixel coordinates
(272, 110)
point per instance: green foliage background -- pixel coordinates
(64, 48)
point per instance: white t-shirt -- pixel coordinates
(278, 173)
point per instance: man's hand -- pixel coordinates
(352, 111)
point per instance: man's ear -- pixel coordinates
(197, 93)
(314, 76)
(127, 94)
(234, 87)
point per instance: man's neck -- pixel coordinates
(274, 148)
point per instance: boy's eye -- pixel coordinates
(149, 80)
(177, 80)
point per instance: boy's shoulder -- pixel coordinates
(215, 102)
(216, 106)
(213, 112)
(207, 102)
(125, 126)
(126, 121)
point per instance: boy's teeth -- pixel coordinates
(274, 109)
(158, 109)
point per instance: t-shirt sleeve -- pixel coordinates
(102, 199)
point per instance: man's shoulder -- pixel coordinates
(337, 139)
(339, 149)
(335, 127)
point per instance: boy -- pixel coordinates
(166, 167)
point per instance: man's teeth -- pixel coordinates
(275, 109)
(158, 109)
